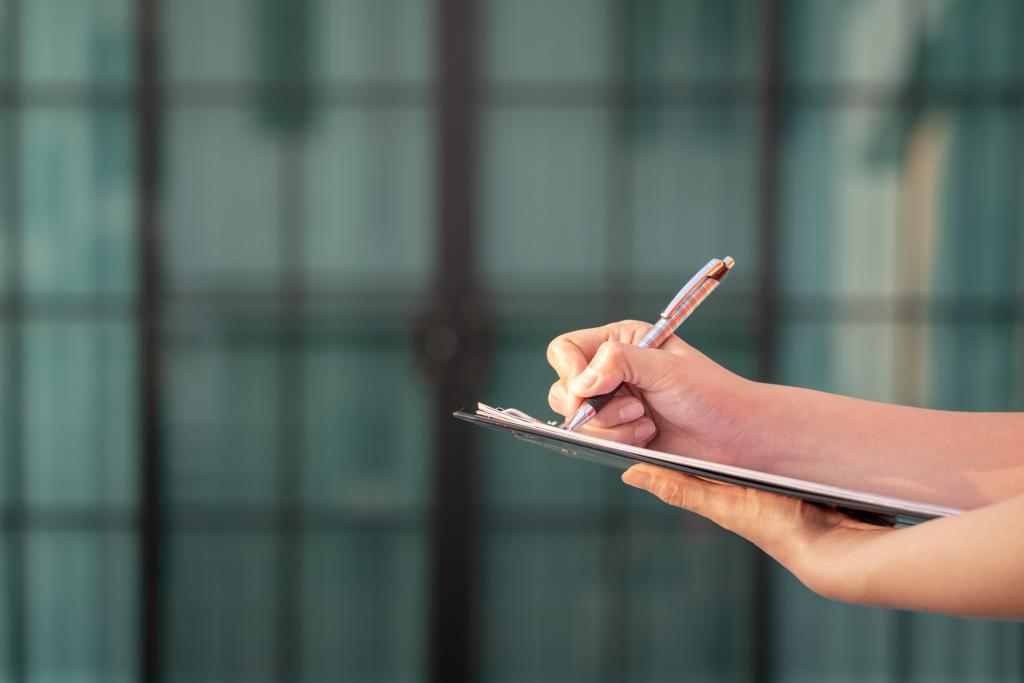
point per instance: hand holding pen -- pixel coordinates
(686, 301)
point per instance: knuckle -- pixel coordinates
(636, 326)
(629, 326)
(695, 499)
(634, 330)
(668, 491)
(753, 503)
(608, 353)
(552, 351)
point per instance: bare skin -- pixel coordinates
(680, 401)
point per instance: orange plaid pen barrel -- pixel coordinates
(679, 309)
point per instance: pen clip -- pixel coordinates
(688, 287)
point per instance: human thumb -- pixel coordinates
(617, 362)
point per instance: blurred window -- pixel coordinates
(620, 145)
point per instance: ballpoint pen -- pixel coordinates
(679, 309)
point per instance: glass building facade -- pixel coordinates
(224, 234)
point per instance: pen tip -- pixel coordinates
(581, 417)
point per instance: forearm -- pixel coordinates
(959, 459)
(969, 565)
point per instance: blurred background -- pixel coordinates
(254, 252)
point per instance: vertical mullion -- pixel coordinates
(291, 389)
(288, 25)
(149, 328)
(17, 572)
(617, 297)
(457, 319)
(762, 655)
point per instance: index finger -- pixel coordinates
(569, 353)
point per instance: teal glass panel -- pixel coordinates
(221, 608)
(688, 601)
(805, 355)
(374, 41)
(835, 40)
(694, 195)
(7, 389)
(545, 206)
(355, 394)
(725, 331)
(81, 606)
(364, 607)
(5, 189)
(970, 365)
(695, 40)
(222, 403)
(973, 42)
(247, 42)
(6, 629)
(525, 41)
(80, 406)
(519, 477)
(906, 362)
(946, 650)
(840, 205)
(222, 203)
(78, 42)
(545, 607)
(6, 28)
(650, 513)
(874, 359)
(78, 201)
(820, 640)
(976, 201)
(370, 193)
(205, 41)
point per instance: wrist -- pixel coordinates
(742, 441)
(769, 426)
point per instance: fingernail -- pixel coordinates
(631, 411)
(637, 478)
(645, 430)
(583, 381)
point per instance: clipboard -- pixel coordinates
(863, 505)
